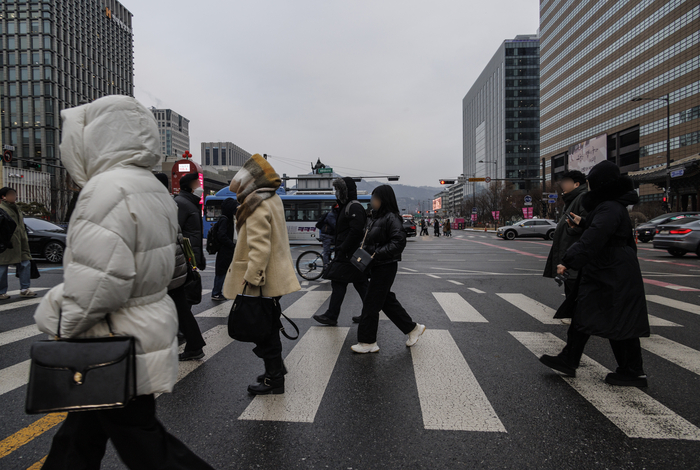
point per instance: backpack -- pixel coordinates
(212, 240)
(7, 229)
(347, 206)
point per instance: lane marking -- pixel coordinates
(535, 309)
(634, 412)
(433, 276)
(457, 283)
(409, 269)
(458, 309)
(677, 353)
(478, 291)
(38, 465)
(656, 321)
(525, 253)
(450, 396)
(308, 304)
(667, 262)
(25, 435)
(310, 365)
(685, 306)
(304, 283)
(18, 334)
(667, 285)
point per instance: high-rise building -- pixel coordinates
(501, 115)
(55, 55)
(223, 156)
(174, 133)
(596, 58)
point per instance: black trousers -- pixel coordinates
(338, 295)
(271, 348)
(139, 438)
(379, 297)
(188, 324)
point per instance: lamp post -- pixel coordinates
(667, 99)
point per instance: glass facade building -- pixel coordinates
(595, 57)
(174, 132)
(55, 55)
(501, 115)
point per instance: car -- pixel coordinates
(679, 237)
(645, 232)
(409, 226)
(528, 228)
(46, 240)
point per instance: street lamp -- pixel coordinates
(667, 99)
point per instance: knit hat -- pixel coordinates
(186, 181)
(603, 173)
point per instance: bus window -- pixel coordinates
(289, 211)
(212, 210)
(327, 206)
(308, 211)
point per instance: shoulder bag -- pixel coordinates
(193, 283)
(81, 374)
(254, 318)
(361, 259)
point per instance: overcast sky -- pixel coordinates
(369, 86)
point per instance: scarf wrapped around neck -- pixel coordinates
(254, 183)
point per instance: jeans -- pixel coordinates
(188, 324)
(139, 438)
(218, 285)
(327, 241)
(379, 297)
(24, 269)
(338, 295)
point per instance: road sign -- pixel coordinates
(552, 201)
(553, 196)
(474, 211)
(527, 204)
(7, 156)
(487, 179)
(476, 180)
(9, 147)
(325, 170)
(677, 173)
(528, 199)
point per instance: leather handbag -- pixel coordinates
(193, 282)
(253, 318)
(361, 259)
(81, 374)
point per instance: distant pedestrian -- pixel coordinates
(385, 240)
(18, 254)
(609, 297)
(189, 215)
(262, 261)
(225, 235)
(447, 228)
(326, 230)
(436, 226)
(423, 228)
(120, 258)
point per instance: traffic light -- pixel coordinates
(447, 181)
(34, 165)
(664, 204)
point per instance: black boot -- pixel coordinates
(261, 377)
(559, 364)
(273, 381)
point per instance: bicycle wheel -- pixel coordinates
(310, 265)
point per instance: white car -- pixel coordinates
(528, 228)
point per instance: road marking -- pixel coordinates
(685, 306)
(433, 276)
(677, 353)
(634, 412)
(450, 396)
(38, 465)
(308, 304)
(535, 309)
(665, 262)
(14, 376)
(35, 289)
(325, 281)
(304, 283)
(670, 286)
(508, 249)
(25, 435)
(455, 282)
(409, 269)
(310, 365)
(656, 321)
(458, 309)
(18, 334)
(478, 291)
(20, 304)
(221, 310)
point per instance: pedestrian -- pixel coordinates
(446, 228)
(436, 226)
(262, 261)
(189, 215)
(120, 257)
(609, 297)
(194, 346)
(349, 230)
(18, 253)
(326, 229)
(423, 228)
(225, 241)
(574, 187)
(385, 240)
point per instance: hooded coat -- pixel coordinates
(225, 235)
(350, 227)
(120, 250)
(565, 236)
(610, 301)
(189, 216)
(20, 241)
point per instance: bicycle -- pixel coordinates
(310, 265)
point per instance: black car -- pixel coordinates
(46, 240)
(645, 232)
(409, 226)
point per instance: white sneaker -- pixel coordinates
(364, 348)
(4, 296)
(415, 334)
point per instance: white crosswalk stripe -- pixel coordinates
(12, 293)
(308, 304)
(19, 304)
(656, 321)
(221, 310)
(18, 334)
(450, 396)
(310, 365)
(478, 291)
(679, 354)
(457, 283)
(685, 306)
(636, 414)
(14, 377)
(458, 309)
(535, 309)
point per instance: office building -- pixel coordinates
(224, 156)
(595, 58)
(174, 133)
(55, 55)
(500, 115)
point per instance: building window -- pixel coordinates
(215, 156)
(207, 160)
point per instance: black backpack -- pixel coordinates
(212, 240)
(7, 229)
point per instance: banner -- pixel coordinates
(527, 212)
(495, 214)
(586, 155)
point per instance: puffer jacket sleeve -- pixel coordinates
(258, 228)
(601, 227)
(396, 239)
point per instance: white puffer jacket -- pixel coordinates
(120, 252)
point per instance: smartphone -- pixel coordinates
(571, 218)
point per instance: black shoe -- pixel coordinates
(218, 298)
(356, 319)
(191, 355)
(273, 380)
(180, 339)
(626, 380)
(558, 364)
(324, 320)
(261, 377)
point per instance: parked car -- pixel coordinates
(679, 237)
(409, 226)
(645, 232)
(528, 228)
(46, 240)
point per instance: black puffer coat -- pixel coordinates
(224, 233)
(386, 238)
(189, 216)
(610, 301)
(350, 225)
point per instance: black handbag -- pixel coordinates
(253, 318)
(342, 271)
(361, 259)
(35, 271)
(81, 374)
(193, 283)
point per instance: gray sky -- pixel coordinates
(372, 85)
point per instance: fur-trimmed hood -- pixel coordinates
(347, 189)
(620, 190)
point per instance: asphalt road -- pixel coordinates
(470, 394)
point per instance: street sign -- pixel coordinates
(677, 173)
(527, 204)
(528, 199)
(487, 179)
(7, 156)
(325, 170)
(477, 180)
(474, 211)
(552, 201)
(553, 196)
(11, 148)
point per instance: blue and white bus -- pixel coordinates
(301, 211)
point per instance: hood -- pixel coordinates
(347, 189)
(257, 174)
(113, 131)
(620, 190)
(229, 207)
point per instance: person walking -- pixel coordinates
(120, 257)
(609, 296)
(189, 215)
(349, 230)
(225, 240)
(423, 228)
(326, 230)
(385, 240)
(436, 226)
(262, 261)
(574, 187)
(18, 253)
(447, 228)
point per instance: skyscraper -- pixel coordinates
(174, 133)
(224, 156)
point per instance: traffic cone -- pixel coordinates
(486, 228)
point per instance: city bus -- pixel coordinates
(301, 212)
